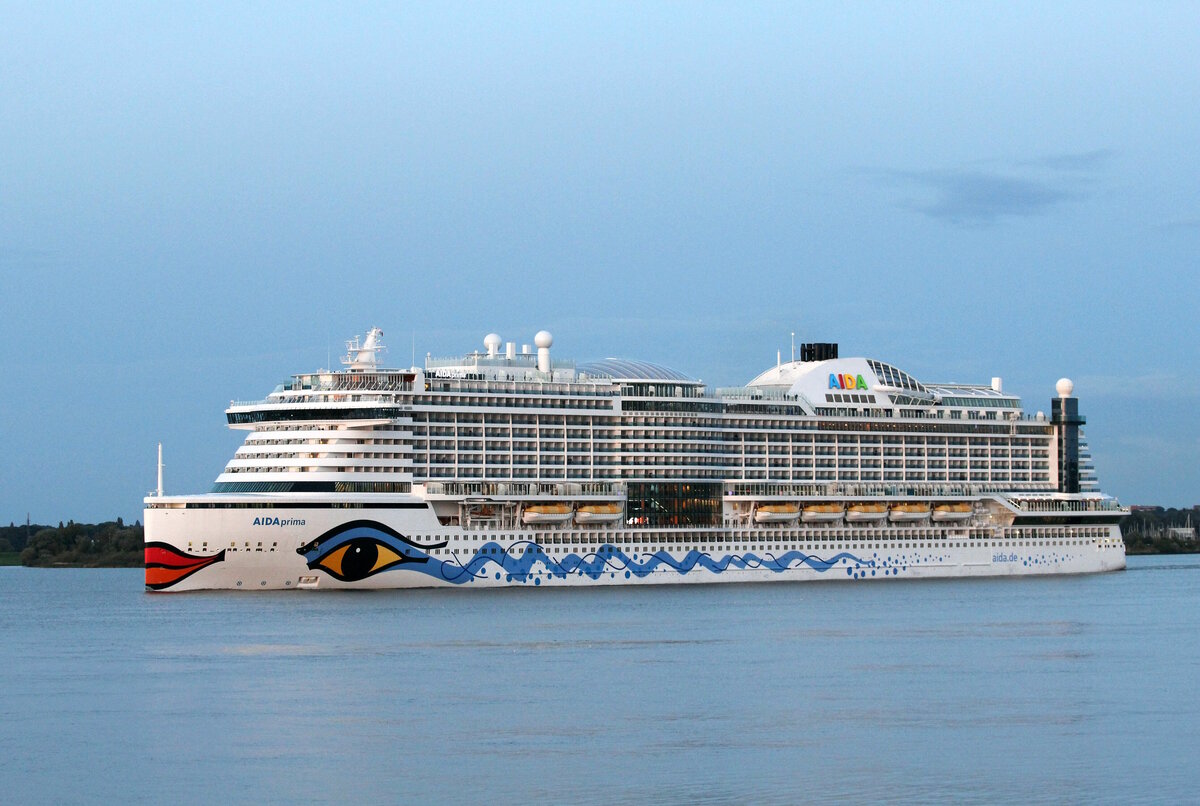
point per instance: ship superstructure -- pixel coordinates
(507, 467)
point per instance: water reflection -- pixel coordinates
(706, 694)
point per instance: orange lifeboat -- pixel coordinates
(952, 512)
(908, 513)
(776, 513)
(824, 513)
(597, 513)
(544, 514)
(866, 513)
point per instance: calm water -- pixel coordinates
(1057, 690)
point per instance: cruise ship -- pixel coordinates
(510, 467)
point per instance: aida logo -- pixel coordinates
(278, 522)
(847, 382)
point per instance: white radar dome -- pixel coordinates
(1065, 387)
(491, 340)
(543, 339)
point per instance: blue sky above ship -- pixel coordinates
(197, 201)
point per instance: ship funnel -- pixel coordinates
(818, 351)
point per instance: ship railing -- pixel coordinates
(341, 396)
(484, 489)
(1060, 505)
(864, 489)
(350, 381)
(519, 361)
(756, 393)
(518, 387)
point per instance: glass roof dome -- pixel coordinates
(624, 369)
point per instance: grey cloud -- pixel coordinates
(1083, 162)
(983, 192)
(976, 197)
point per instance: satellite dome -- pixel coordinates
(1064, 387)
(491, 340)
(543, 339)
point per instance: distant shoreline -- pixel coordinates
(115, 545)
(111, 544)
(1136, 548)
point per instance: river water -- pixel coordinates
(1067, 689)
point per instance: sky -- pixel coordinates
(198, 200)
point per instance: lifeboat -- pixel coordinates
(952, 512)
(907, 513)
(542, 514)
(597, 513)
(866, 513)
(823, 513)
(776, 513)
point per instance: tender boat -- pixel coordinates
(866, 513)
(777, 513)
(908, 513)
(598, 513)
(824, 513)
(547, 514)
(952, 512)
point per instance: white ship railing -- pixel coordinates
(1073, 505)
(519, 361)
(518, 488)
(872, 490)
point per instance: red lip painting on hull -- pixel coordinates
(167, 565)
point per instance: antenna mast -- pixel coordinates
(160, 466)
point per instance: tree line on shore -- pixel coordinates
(111, 544)
(114, 544)
(1159, 530)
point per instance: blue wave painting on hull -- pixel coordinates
(360, 549)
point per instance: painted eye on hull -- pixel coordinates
(360, 558)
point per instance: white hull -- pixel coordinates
(256, 549)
